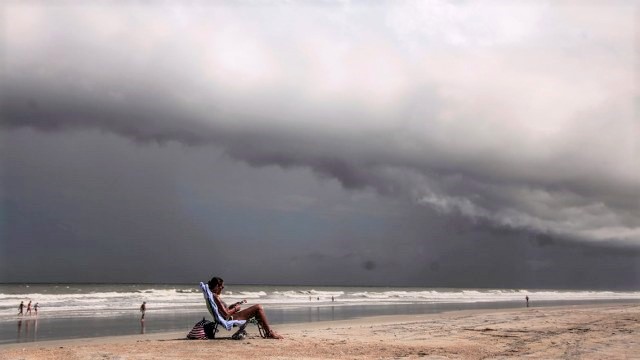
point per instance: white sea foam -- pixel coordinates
(250, 294)
(112, 300)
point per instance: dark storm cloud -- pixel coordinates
(92, 206)
(506, 122)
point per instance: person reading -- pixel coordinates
(236, 312)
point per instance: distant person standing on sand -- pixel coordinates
(526, 298)
(21, 308)
(35, 308)
(28, 308)
(143, 308)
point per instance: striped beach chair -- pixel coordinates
(218, 319)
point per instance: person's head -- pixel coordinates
(216, 284)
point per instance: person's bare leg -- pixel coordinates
(258, 312)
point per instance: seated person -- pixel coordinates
(216, 285)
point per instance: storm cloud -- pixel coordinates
(523, 117)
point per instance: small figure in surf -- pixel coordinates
(526, 298)
(21, 308)
(143, 309)
(35, 308)
(28, 308)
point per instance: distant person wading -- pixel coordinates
(143, 309)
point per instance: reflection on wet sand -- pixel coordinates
(30, 332)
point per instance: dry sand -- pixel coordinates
(571, 332)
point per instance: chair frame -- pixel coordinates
(218, 319)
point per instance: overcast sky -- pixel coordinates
(427, 143)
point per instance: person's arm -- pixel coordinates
(224, 311)
(237, 304)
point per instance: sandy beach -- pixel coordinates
(574, 332)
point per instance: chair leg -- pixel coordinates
(258, 323)
(261, 330)
(241, 333)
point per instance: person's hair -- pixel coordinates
(214, 281)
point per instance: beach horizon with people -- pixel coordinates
(179, 306)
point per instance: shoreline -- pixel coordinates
(598, 330)
(26, 330)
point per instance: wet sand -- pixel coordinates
(567, 332)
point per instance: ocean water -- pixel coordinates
(86, 310)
